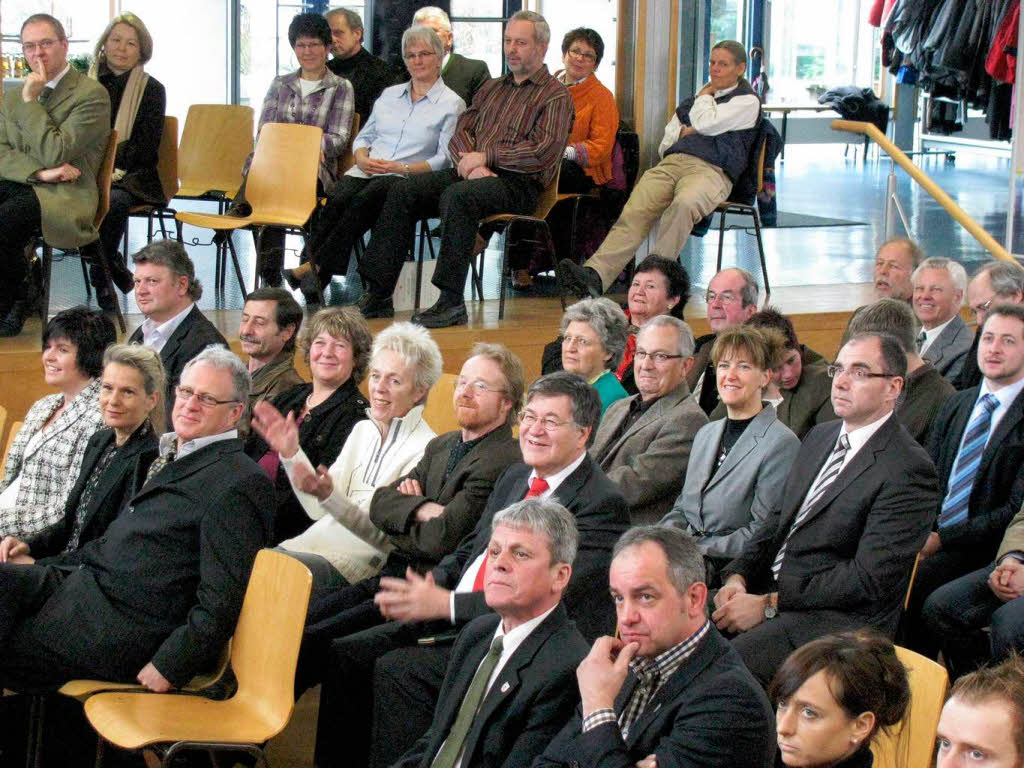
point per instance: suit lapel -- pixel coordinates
(611, 423)
(754, 432)
(172, 345)
(65, 88)
(188, 465)
(820, 446)
(1010, 420)
(650, 416)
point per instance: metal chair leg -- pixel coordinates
(238, 268)
(88, 284)
(760, 252)
(721, 239)
(503, 277)
(44, 301)
(109, 278)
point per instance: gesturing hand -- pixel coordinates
(280, 432)
(414, 598)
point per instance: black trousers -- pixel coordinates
(112, 228)
(350, 213)
(459, 203)
(20, 221)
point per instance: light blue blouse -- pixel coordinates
(411, 132)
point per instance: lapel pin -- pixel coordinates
(504, 687)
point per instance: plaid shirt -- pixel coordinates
(651, 674)
(328, 107)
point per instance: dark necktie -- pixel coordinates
(921, 338)
(958, 495)
(159, 463)
(44, 94)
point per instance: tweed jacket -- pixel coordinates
(49, 471)
(73, 128)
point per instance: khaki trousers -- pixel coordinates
(681, 190)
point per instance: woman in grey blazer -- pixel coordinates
(738, 465)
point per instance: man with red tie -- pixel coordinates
(385, 680)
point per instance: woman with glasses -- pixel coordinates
(407, 133)
(738, 465)
(594, 333)
(336, 345)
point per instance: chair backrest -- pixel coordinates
(439, 412)
(281, 184)
(216, 140)
(347, 159)
(265, 647)
(549, 195)
(103, 178)
(3, 423)
(167, 158)
(911, 744)
(15, 429)
(630, 143)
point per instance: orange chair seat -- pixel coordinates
(258, 218)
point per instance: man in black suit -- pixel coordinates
(156, 597)
(462, 75)
(978, 448)
(510, 683)
(858, 505)
(998, 282)
(166, 291)
(562, 412)
(669, 690)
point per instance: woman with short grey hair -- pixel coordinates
(594, 333)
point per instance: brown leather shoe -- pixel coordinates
(521, 279)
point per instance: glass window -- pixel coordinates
(599, 15)
(485, 8)
(726, 20)
(479, 39)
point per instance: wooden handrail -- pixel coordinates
(986, 240)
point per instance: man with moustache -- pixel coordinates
(895, 262)
(270, 324)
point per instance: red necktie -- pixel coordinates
(537, 487)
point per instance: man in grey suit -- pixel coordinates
(644, 441)
(939, 286)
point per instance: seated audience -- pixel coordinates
(660, 287)
(510, 683)
(462, 75)
(738, 467)
(367, 74)
(706, 147)
(388, 666)
(116, 457)
(407, 133)
(997, 282)
(46, 455)
(978, 448)
(506, 147)
(983, 719)
(939, 287)
(166, 290)
(644, 441)
(895, 263)
(271, 319)
(137, 102)
(145, 601)
(924, 389)
(980, 616)
(838, 550)
(47, 184)
(668, 690)
(336, 346)
(594, 333)
(834, 695)
(311, 96)
(343, 546)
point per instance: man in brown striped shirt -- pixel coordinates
(506, 147)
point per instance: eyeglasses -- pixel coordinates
(477, 387)
(726, 297)
(579, 341)
(420, 55)
(659, 358)
(43, 45)
(527, 420)
(859, 374)
(579, 53)
(982, 307)
(309, 46)
(205, 400)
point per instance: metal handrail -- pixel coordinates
(986, 240)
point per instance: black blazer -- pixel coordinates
(999, 485)
(710, 712)
(190, 338)
(322, 434)
(123, 476)
(849, 562)
(601, 517)
(465, 76)
(463, 495)
(165, 582)
(138, 156)
(530, 700)
(970, 373)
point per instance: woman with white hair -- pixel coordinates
(594, 333)
(343, 545)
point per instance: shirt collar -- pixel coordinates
(726, 90)
(558, 478)
(861, 435)
(151, 330)
(169, 442)
(432, 95)
(931, 335)
(537, 78)
(1005, 396)
(60, 76)
(666, 662)
(511, 640)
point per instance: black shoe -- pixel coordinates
(442, 315)
(14, 320)
(271, 277)
(376, 306)
(241, 209)
(580, 280)
(295, 283)
(105, 299)
(309, 284)
(121, 275)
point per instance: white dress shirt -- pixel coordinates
(155, 336)
(710, 118)
(857, 437)
(60, 76)
(932, 335)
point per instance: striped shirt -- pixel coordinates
(522, 128)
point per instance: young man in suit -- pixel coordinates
(166, 291)
(53, 136)
(462, 75)
(669, 690)
(939, 286)
(157, 596)
(644, 441)
(978, 448)
(510, 683)
(998, 282)
(838, 552)
(392, 664)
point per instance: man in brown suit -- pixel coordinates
(53, 135)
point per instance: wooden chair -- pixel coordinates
(264, 651)
(911, 744)
(93, 250)
(3, 423)
(910, 584)
(15, 428)
(439, 412)
(280, 187)
(167, 170)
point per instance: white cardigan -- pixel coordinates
(343, 533)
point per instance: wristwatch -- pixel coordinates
(771, 605)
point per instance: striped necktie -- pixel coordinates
(958, 495)
(828, 476)
(159, 463)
